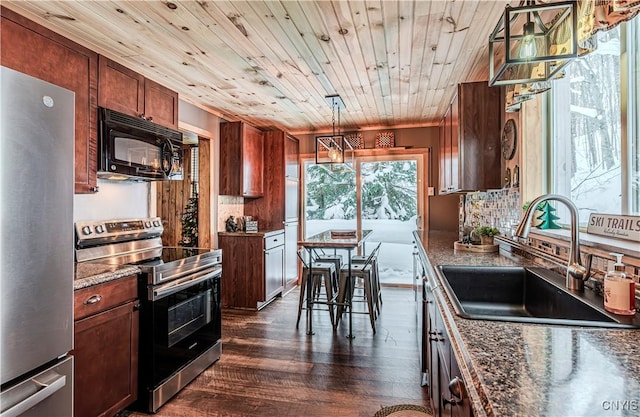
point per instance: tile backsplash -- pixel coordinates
(495, 208)
(229, 206)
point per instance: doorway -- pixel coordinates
(383, 193)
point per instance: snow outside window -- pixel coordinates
(594, 156)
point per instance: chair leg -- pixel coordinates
(328, 287)
(368, 292)
(378, 289)
(303, 287)
(342, 288)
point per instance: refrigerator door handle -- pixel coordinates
(34, 392)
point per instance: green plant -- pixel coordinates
(527, 203)
(487, 231)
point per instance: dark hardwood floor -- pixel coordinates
(268, 368)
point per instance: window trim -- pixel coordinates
(630, 125)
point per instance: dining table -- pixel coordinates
(332, 239)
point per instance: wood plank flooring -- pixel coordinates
(268, 368)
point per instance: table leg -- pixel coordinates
(310, 294)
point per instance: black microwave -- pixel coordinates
(131, 148)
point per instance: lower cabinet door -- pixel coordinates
(273, 271)
(458, 391)
(106, 361)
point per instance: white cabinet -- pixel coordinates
(274, 265)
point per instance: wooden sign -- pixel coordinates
(615, 225)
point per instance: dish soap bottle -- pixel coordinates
(619, 291)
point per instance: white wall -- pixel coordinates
(114, 200)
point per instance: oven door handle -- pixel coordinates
(173, 287)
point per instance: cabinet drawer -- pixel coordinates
(273, 241)
(101, 297)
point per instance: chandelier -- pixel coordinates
(532, 42)
(334, 149)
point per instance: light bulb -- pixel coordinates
(528, 48)
(334, 153)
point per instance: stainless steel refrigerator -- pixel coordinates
(36, 252)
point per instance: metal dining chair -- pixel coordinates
(323, 278)
(377, 289)
(359, 271)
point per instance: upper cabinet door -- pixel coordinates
(128, 92)
(241, 160)
(470, 140)
(291, 151)
(160, 104)
(120, 88)
(34, 50)
(252, 162)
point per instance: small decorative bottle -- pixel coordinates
(619, 291)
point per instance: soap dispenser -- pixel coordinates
(619, 291)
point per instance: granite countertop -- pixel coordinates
(87, 274)
(265, 233)
(518, 369)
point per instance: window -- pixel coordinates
(594, 141)
(384, 194)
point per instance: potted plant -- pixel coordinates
(486, 234)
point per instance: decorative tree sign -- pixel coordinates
(546, 220)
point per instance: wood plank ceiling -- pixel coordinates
(271, 63)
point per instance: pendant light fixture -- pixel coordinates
(532, 42)
(334, 149)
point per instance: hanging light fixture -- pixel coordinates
(532, 42)
(334, 149)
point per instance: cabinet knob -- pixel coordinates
(94, 189)
(456, 387)
(93, 299)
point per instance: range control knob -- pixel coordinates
(99, 228)
(147, 225)
(156, 223)
(86, 230)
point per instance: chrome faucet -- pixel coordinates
(577, 274)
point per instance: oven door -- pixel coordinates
(178, 324)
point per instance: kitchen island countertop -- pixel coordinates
(87, 274)
(518, 369)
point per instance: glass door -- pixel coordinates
(390, 204)
(330, 199)
(383, 194)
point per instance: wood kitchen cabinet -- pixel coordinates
(128, 92)
(241, 160)
(253, 265)
(448, 395)
(279, 206)
(470, 140)
(292, 153)
(281, 175)
(34, 50)
(106, 347)
(269, 210)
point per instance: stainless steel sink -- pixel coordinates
(531, 295)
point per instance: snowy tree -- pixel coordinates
(388, 191)
(330, 194)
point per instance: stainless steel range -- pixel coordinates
(180, 309)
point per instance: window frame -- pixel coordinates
(629, 119)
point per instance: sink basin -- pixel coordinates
(531, 295)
